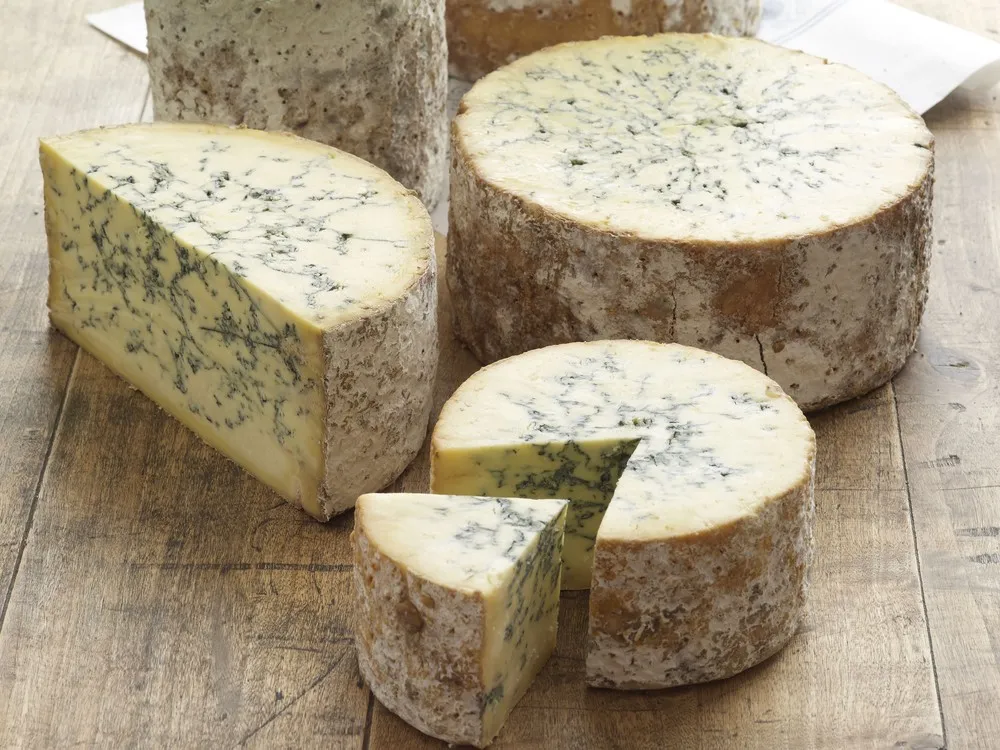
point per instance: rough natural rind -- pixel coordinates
(276, 296)
(721, 193)
(458, 603)
(485, 34)
(701, 557)
(367, 76)
(701, 608)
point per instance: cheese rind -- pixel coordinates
(700, 561)
(720, 193)
(485, 34)
(276, 296)
(704, 607)
(367, 76)
(458, 602)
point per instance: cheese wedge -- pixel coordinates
(274, 295)
(717, 192)
(691, 485)
(458, 601)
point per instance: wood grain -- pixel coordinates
(950, 424)
(166, 595)
(162, 596)
(54, 76)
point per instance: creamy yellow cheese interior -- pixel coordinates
(694, 137)
(702, 440)
(582, 471)
(204, 264)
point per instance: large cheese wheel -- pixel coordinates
(458, 603)
(720, 193)
(485, 34)
(275, 295)
(367, 76)
(690, 480)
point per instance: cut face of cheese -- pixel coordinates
(720, 193)
(458, 604)
(581, 469)
(690, 480)
(485, 34)
(274, 295)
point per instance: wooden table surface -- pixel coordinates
(152, 594)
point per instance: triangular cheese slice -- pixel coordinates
(458, 605)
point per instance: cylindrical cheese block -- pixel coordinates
(690, 481)
(367, 76)
(720, 193)
(485, 34)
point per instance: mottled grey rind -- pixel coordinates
(830, 316)
(451, 643)
(367, 76)
(434, 686)
(380, 373)
(485, 34)
(705, 607)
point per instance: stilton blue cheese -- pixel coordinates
(485, 34)
(720, 193)
(274, 295)
(690, 480)
(367, 76)
(458, 601)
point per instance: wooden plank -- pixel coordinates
(55, 75)
(949, 420)
(947, 404)
(166, 595)
(858, 675)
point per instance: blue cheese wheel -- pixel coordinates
(690, 481)
(367, 76)
(458, 603)
(720, 193)
(485, 34)
(275, 295)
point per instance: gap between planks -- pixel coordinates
(367, 737)
(38, 489)
(920, 573)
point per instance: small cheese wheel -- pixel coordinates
(458, 603)
(367, 76)
(485, 34)
(720, 193)
(690, 481)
